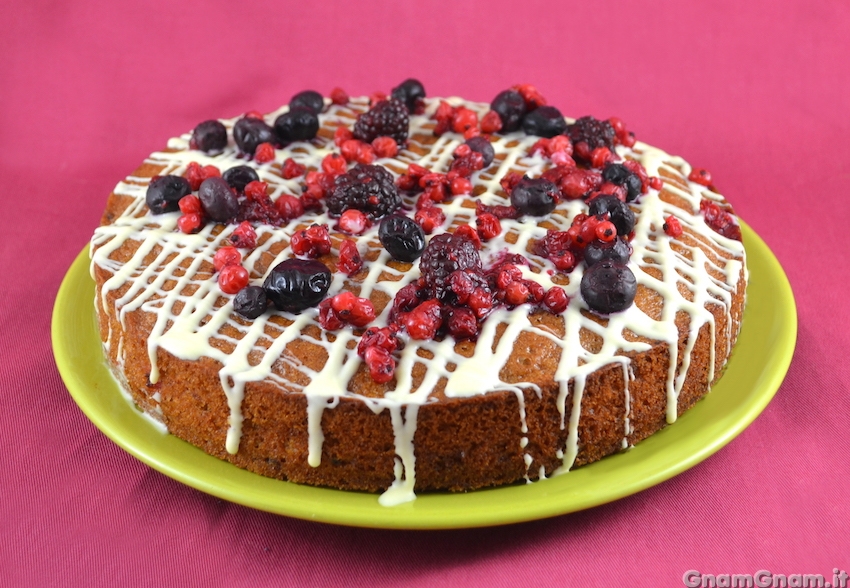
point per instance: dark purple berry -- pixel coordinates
(298, 124)
(218, 200)
(618, 211)
(510, 106)
(608, 287)
(308, 99)
(544, 121)
(368, 188)
(297, 284)
(619, 174)
(240, 176)
(534, 197)
(402, 237)
(484, 147)
(164, 192)
(249, 132)
(251, 302)
(447, 253)
(209, 136)
(411, 92)
(596, 133)
(388, 118)
(617, 250)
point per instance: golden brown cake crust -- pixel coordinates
(491, 438)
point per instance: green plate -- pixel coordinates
(752, 377)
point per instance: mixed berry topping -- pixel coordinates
(587, 134)
(209, 136)
(445, 254)
(370, 189)
(388, 118)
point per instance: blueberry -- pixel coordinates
(617, 250)
(218, 200)
(209, 136)
(410, 91)
(240, 176)
(299, 124)
(534, 197)
(297, 284)
(484, 147)
(619, 174)
(249, 132)
(608, 287)
(618, 211)
(544, 121)
(402, 237)
(510, 106)
(308, 99)
(250, 302)
(164, 192)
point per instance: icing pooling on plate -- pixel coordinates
(191, 310)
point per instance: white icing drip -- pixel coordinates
(191, 311)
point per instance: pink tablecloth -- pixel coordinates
(757, 92)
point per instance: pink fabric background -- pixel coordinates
(757, 92)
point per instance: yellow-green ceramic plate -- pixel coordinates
(753, 375)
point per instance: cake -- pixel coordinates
(401, 294)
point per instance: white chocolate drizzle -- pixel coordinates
(191, 311)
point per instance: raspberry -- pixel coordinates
(264, 153)
(367, 188)
(386, 118)
(244, 236)
(429, 218)
(291, 169)
(385, 147)
(226, 256)
(488, 226)
(289, 207)
(349, 261)
(232, 278)
(672, 226)
(312, 242)
(353, 222)
(445, 254)
(556, 300)
(380, 363)
(190, 223)
(339, 96)
(257, 206)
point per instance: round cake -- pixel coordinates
(399, 293)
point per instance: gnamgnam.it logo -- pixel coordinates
(765, 579)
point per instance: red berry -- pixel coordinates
(470, 233)
(380, 363)
(564, 261)
(656, 183)
(600, 156)
(672, 226)
(464, 119)
(244, 236)
(382, 337)
(491, 122)
(289, 207)
(339, 96)
(423, 321)
(489, 226)
(385, 147)
(516, 293)
(353, 222)
(507, 275)
(606, 231)
(264, 153)
(342, 134)
(461, 186)
(700, 176)
(291, 169)
(328, 318)
(333, 164)
(429, 218)
(190, 223)
(312, 242)
(365, 154)
(350, 260)
(578, 183)
(196, 174)
(349, 148)
(510, 180)
(226, 256)
(556, 300)
(232, 278)
(190, 205)
(256, 190)
(462, 324)
(531, 95)
(352, 310)
(481, 302)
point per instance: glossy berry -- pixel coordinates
(545, 121)
(349, 261)
(244, 236)
(382, 337)
(429, 218)
(606, 231)
(251, 302)
(483, 146)
(672, 226)
(380, 363)
(619, 174)
(289, 207)
(556, 300)
(190, 223)
(618, 212)
(248, 132)
(488, 226)
(352, 309)
(296, 284)
(312, 242)
(402, 237)
(353, 222)
(700, 176)
(298, 124)
(240, 176)
(534, 197)
(232, 278)
(423, 321)
(264, 153)
(411, 93)
(388, 118)
(291, 169)
(462, 324)
(608, 287)
(190, 205)
(225, 256)
(445, 254)
(510, 106)
(309, 99)
(339, 96)
(209, 136)
(617, 250)
(720, 220)
(218, 200)
(164, 193)
(368, 188)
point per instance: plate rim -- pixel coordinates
(429, 511)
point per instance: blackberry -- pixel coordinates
(209, 136)
(300, 123)
(388, 118)
(619, 174)
(608, 287)
(308, 99)
(510, 106)
(447, 253)
(240, 176)
(164, 192)
(618, 211)
(544, 121)
(297, 284)
(402, 237)
(596, 133)
(368, 188)
(534, 197)
(411, 92)
(483, 146)
(249, 132)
